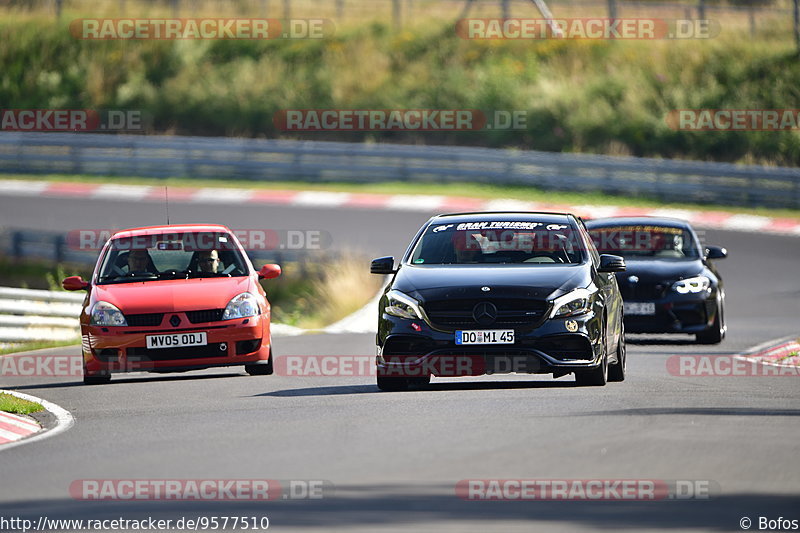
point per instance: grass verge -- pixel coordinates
(18, 406)
(315, 295)
(17, 347)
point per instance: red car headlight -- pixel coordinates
(241, 306)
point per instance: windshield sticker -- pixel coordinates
(472, 226)
(649, 229)
(446, 227)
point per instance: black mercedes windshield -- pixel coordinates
(171, 256)
(646, 242)
(498, 242)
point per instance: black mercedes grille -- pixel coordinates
(206, 315)
(510, 312)
(146, 320)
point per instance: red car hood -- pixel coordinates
(172, 295)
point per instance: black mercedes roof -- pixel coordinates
(637, 221)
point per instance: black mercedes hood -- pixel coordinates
(460, 281)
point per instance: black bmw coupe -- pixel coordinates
(671, 284)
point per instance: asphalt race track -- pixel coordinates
(395, 458)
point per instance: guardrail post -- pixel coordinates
(16, 245)
(796, 193)
(58, 243)
(75, 159)
(612, 9)
(396, 14)
(797, 23)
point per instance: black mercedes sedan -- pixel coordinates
(670, 285)
(505, 292)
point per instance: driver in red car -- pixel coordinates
(138, 261)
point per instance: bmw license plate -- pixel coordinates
(485, 336)
(176, 340)
(640, 308)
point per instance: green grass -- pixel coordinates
(18, 347)
(580, 96)
(12, 404)
(315, 295)
(33, 274)
(473, 190)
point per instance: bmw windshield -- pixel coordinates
(646, 242)
(498, 243)
(171, 256)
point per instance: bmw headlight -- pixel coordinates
(241, 306)
(106, 314)
(691, 285)
(577, 302)
(403, 306)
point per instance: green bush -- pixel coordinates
(580, 96)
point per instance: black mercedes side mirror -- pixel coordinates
(382, 265)
(716, 252)
(611, 263)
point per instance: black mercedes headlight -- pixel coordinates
(402, 305)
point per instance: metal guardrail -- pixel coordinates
(33, 315)
(265, 160)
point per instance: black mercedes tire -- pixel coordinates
(392, 384)
(597, 377)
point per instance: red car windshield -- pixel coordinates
(171, 256)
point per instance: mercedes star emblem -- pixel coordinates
(484, 313)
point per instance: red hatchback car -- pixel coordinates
(174, 298)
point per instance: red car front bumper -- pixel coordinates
(124, 349)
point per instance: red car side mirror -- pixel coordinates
(269, 271)
(74, 283)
